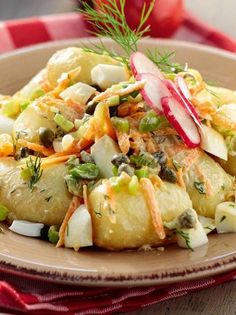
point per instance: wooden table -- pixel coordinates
(219, 300)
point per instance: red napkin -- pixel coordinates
(21, 295)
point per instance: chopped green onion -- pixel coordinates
(115, 170)
(133, 185)
(64, 124)
(142, 172)
(26, 174)
(113, 100)
(10, 108)
(116, 183)
(151, 121)
(144, 159)
(136, 99)
(121, 124)
(37, 93)
(3, 212)
(74, 186)
(53, 234)
(24, 105)
(85, 171)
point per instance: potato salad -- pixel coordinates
(118, 152)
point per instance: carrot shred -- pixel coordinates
(149, 195)
(123, 141)
(54, 160)
(75, 203)
(156, 180)
(35, 147)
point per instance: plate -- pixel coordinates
(38, 259)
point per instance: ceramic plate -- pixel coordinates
(36, 258)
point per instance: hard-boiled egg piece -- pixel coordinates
(79, 229)
(78, 93)
(225, 217)
(106, 75)
(102, 152)
(192, 238)
(26, 228)
(213, 142)
(207, 223)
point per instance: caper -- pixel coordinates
(187, 219)
(113, 111)
(126, 168)
(118, 159)
(23, 153)
(46, 136)
(160, 157)
(90, 108)
(168, 174)
(86, 157)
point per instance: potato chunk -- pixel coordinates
(47, 203)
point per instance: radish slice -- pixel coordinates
(186, 104)
(153, 91)
(140, 63)
(182, 86)
(181, 121)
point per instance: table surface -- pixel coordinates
(219, 300)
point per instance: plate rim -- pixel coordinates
(207, 269)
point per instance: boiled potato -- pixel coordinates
(199, 167)
(29, 91)
(215, 180)
(71, 58)
(225, 217)
(47, 203)
(38, 114)
(130, 225)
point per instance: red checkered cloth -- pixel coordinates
(19, 295)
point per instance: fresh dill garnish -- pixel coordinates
(185, 236)
(212, 93)
(48, 198)
(200, 187)
(34, 171)
(12, 192)
(109, 21)
(163, 61)
(223, 218)
(98, 213)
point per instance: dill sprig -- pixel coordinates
(163, 61)
(109, 21)
(34, 168)
(186, 238)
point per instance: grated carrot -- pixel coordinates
(149, 195)
(35, 147)
(54, 160)
(156, 180)
(75, 203)
(123, 141)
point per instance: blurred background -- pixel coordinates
(216, 13)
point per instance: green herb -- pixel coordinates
(176, 164)
(74, 186)
(200, 187)
(212, 93)
(151, 121)
(98, 213)
(85, 171)
(223, 187)
(186, 238)
(42, 190)
(163, 61)
(223, 218)
(48, 198)
(208, 228)
(144, 159)
(12, 192)
(109, 21)
(3, 212)
(33, 172)
(67, 230)
(141, 173)
(232, 205)
(53, 234)
(121, 124)
(63, 123)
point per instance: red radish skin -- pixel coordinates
(181, 121)
(140, 63)
(182, 86)
(153, 91)
(186, 104)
